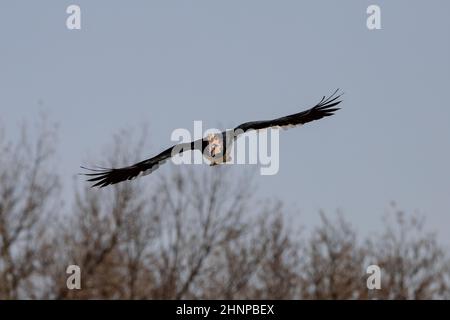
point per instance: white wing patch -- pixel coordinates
(288, 126)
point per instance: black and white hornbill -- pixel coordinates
(212, 146)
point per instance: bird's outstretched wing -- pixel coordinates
(103, 177)
(325, 108)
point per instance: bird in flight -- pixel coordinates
(214, 147)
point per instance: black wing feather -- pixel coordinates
(104, 176)
(322, 109)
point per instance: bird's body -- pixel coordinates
(214, 147)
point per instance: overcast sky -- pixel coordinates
(169, 63)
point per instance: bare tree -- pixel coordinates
(194, 232)
(27, 201)
(279, 271)
(202, 211)
(334, 262)
(106, 234)
(414, 265)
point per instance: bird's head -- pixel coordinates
(211, 137)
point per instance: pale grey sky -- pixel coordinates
(225, 62)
